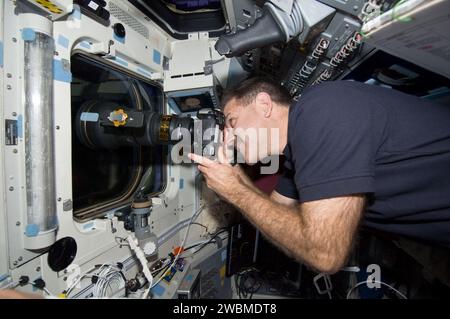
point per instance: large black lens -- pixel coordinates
(99, 125)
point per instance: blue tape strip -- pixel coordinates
(181, 183)
(3, 277)
(144, 72)
(89, 117)
(121, 61)
(158, 290)
(119, 39)
(28, 34)
(173, 106)
(55, 221)
(32, 230)
(1, 54)
(224, 255)
(85, 45)
(20, 126)
(60, 73)
(63, 41)
(156, 56)
(76, 14)
(88, 226)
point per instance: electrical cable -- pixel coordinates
(198, 224)
(194, 217)
(82, 276)
(42, 289)
(377, 282)
(109, 279)
(207, 242)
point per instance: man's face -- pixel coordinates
(249, 126)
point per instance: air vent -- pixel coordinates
(127, 19)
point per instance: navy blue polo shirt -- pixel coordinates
(351, 138)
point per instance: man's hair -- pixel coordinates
(246, 92)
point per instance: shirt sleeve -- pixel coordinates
(333, 145)
(286, 185)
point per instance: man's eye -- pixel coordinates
(230, 122)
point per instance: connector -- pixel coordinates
(24, 280)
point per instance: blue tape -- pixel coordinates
(89, 117)
(85, 45)
(20, 126)
(121, 61)
(55, 221)
(1, 54)
(28, 34)
(119, 39)
(3, 277)
(181, 183)
(173, 106)
(156, 56)
(60, 73)
(32, 230)
(63, 41)
(76, 14)
(144, 72)
(189, 277)
(224, 255)
(158, 290)
(88, 226)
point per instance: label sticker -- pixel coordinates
(12, 133)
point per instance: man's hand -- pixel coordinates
(222, 178)
(14, 294)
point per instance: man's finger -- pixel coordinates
(224, 155)
(228, 137)
(202, 170)
(200, 159)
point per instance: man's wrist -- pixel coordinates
(239, 191)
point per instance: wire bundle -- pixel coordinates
(109, 281)
(247, 283)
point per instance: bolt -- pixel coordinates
(56, 53)
(9, 87)
(14, 114)
(20, 259)
(14, 40)
(15, 263)
(58, 127)
(65, 278)
(355, 8)
(15, 151)
(59, 199)
(18, 224)
(38, 269)
(9, 75)
(11, 189)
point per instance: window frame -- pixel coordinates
(126, 198)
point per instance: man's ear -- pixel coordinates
(264, 103)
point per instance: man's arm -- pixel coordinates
(277, 197)
(318, 233)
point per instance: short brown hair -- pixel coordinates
(247, 90)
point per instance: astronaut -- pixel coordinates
(355, 154)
